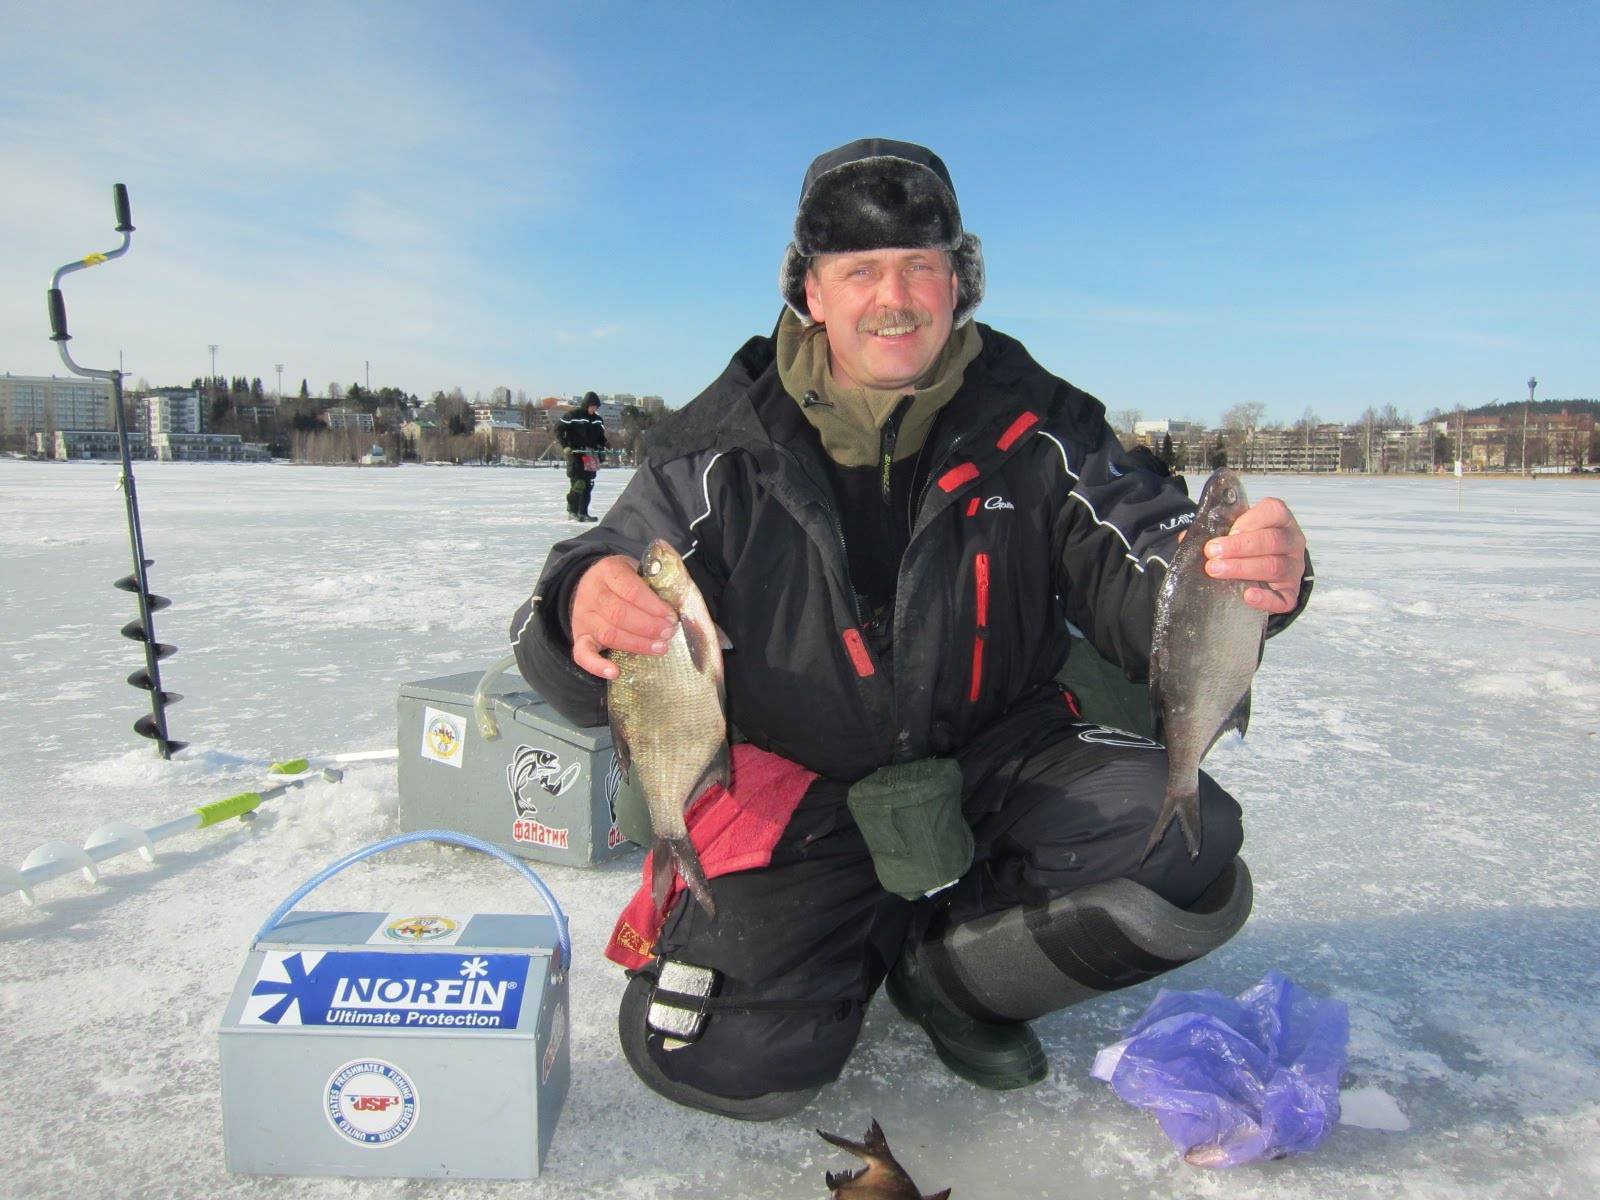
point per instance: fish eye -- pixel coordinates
(1231, 496)
(653, 567)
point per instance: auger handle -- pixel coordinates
(124, 215)
(58, 317)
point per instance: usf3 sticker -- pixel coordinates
(370, 1102)
(409, 990)
(444, 736)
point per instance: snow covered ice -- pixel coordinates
(1419, 786)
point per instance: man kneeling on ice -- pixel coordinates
(894, 513)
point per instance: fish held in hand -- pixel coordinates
(881, 1179)
(668, 722)
(1204, 650)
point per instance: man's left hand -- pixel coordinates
(1267, 547)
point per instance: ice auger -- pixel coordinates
(153, 726)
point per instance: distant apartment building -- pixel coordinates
(31, 404)
(88, 444)
(1512, 441)
(174, 410)
(515, 441)
(349, 418)
(1166, 427)
(205, 447)
(487, 417)
(1288, 450)
(267, 411)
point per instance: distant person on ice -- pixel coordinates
(894, 513)
(583, 436)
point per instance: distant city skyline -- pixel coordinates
(1310, 206)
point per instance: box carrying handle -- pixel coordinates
(450, 836)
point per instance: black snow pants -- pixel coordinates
(580, 485)
(1055, 804)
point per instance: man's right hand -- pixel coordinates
(613, 609)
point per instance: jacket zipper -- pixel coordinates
(886, 440)
(981, 632)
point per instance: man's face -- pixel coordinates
(888, 313)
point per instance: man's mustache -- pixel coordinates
(894, 318)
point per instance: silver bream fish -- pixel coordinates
(668, 723)
(881, 1179)
(1203, 654)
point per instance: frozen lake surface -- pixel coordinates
(1420, 786)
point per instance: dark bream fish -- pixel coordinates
(668, 724)
(1203, 654)
(881, 1179)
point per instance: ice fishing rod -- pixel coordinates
(153, 726)
(115, 838)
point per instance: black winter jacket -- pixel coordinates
(577, 430)
(1030, 516)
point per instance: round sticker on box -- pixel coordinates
(371, 1102)
(427, 928)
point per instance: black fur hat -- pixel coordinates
(588, 399)
(879, 194)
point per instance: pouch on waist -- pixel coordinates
(910, 816)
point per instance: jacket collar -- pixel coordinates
(747, 408)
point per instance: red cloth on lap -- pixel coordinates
(732, 830)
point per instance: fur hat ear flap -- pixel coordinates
(792, 282)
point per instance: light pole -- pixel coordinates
(278, 367)
(212, 346)
(1532, 383)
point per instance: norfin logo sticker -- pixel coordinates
(371, 1103)
(444, 736)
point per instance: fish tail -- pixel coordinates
(693, 874)
(1182, 802)
(1189, 820)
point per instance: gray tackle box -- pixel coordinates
(408, 1043)
(543, 789)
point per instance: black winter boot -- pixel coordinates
(1000, 1056)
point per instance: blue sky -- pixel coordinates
(1183, 206)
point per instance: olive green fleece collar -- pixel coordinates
(850, 420)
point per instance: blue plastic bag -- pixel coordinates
(1235, 1080)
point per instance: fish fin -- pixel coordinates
(837, 1179)
(1185, 806)
(843, 1143)
(944, 1195)
(1158, 718)
(718, 770)
(660, 873)
(723, 639)
(875, 1142)
(698, 640)
(683, 853)
(619, 746)
(1238, 719)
